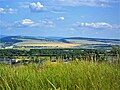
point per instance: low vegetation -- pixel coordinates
(60, 69)
(73, 75)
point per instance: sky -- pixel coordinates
(61, 18)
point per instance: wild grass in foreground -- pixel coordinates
(74, 75)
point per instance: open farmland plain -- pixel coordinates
(27, 42)
(48, 44)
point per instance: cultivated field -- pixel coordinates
(46, 44)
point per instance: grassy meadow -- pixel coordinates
(73, 75)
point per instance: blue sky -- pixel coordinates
(60, 18)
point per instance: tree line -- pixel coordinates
(65, 54)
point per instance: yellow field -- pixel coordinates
(47, 44)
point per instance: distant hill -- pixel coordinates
(10, 40)
(1, 36)
(16, 39)
(113, 41)
(92, 39)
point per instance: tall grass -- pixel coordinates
(74, 75)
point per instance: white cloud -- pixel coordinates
(97, 25)
(39, 7)
(98, 3)
(24, 4)
(57, 9)
(61, 18)
(27, 22)
(36, 7)
(7, 10)
(1, 10)
(10, 10)
(45, 23)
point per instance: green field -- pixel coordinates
(73, 75)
